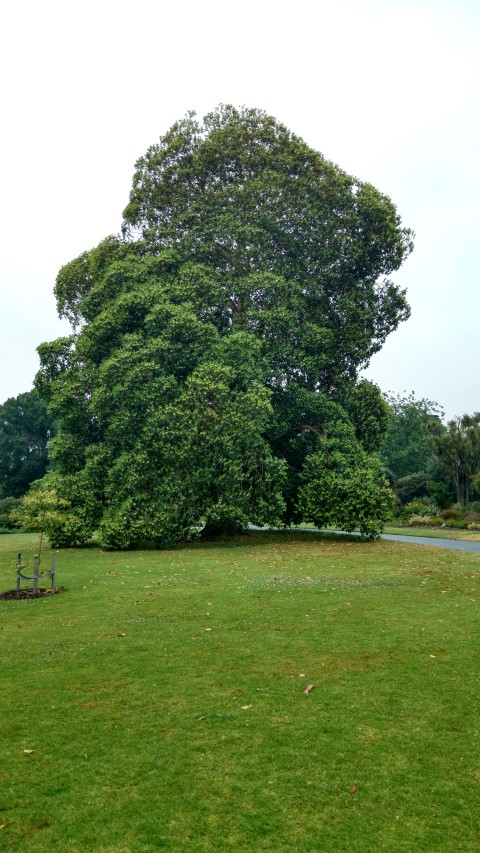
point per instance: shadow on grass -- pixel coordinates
(248, 537)
(262, 538)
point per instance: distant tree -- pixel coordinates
(457, 448)
(25, 429)
(476, 481)
(7, 505)
(411, 486)
(407, 449)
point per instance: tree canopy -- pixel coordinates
(25, 429)
(407, 451)
(457, 447)
(407, 448)
(213, 368)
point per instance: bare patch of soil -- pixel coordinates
(42, 591)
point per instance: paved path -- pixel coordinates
(433, 542)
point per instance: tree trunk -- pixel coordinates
(215, 530)
(461, 483)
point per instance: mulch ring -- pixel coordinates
(42, 591)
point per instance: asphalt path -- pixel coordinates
(430, 541)
(433, 542)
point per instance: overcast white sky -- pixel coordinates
(388, 89)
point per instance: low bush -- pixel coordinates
(474, 525)
(472, 516)
(413, 486)
(7, 505)
(451, 513)
(420, 521)
(420, 508)
(425, 521)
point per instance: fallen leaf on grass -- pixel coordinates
(44, 824)
(3, 825)
(353, 789)
(202, 718)
(246, 707)
(28, 751)
(309, 689)
(121, 635)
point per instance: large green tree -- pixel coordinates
(25, 429)
(217, 341)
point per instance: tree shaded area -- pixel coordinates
(213, 368)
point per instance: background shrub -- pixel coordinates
(7, 505)
(450, 514)
(424, 507)
(419, 520)
(410, 487)
(471, 515)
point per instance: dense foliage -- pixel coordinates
(43, 511)
(407, 453)
(213, 371)
(25, 429)
(407, 448)
(7, 506)
(429, 461)
(457, 447)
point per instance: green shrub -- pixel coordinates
(425, 521)
(413, 486)
(7, 505)
(423, 507)
(44, 511)
(452, 513)
(419, 520)
(474, 525)
(472, 516)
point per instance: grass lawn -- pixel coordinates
(162, 696)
